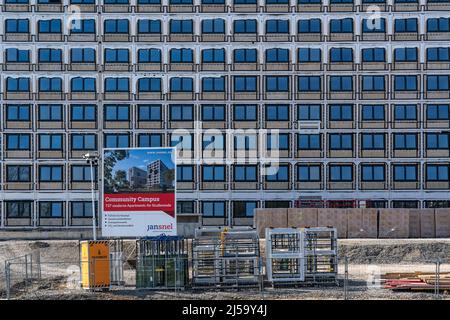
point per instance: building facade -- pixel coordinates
(352, 97)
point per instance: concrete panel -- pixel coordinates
(361, 223)
(442, 219)
(270, 218)
(337, 218)
(394, 223)
(302, 217)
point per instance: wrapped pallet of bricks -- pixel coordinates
(269, 218)
(336, 218)
(442, 219)
(302, 217)
(427, 223)
(414, 223)
(361, 223)
(394, 223)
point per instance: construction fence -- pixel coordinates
(360, 222)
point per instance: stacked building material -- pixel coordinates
(415, 281)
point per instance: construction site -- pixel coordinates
(300, 254)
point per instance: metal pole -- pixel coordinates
(7, 280)
(94, 223)
(346, 279)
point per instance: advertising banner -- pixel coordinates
(139, 187)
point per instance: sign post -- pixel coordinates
(139, 192)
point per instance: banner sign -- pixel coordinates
(139, 186)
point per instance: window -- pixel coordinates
(210, 26)
(373, 141)
(51, 142)
(341, 55)
(245, 83)
(308, 173)
(180, 1)
(149, 2)
(309, 83)
(308, 142)
(213, 84)
(84, 141)
(19, 173)
(18, 112)
(186, 207)
(50, 55)
(245, 173)
(83, 85)
(17, 55)
(341, 173)
(437, 141)
(245, 55)
(373, 112)
(50, 173)
(309, 55)
(82, 55)
(405, 112)
(211, 142)
(277, 26)
(438, 111)
(437, 172)
(245, 26)
(281, 173)
(117, 140)
(51, 209)
(50, 84)
(117, 26)
(213, 112)
(341, 112)
(341, 141)
(214, 209)
(149, 26)
(438, 82)
(18, 84)
(83, 112)
(374, 25)
(405, 141)
(49, 26)
(277, 112)
(438, 54)
(181, 26)
(150, 140)
(405, 25)
(149, 56)
(438, 25)
(181, 56)
(82, 173)
(277, 83)
(309, 26)
(245, 112)
(373, 83)
(117, 85)
(117, 56)
(278, 141)
(309, 112)
(181, 84)
(50, 112)
(83, 26)
(213, 173)
(277, 55)
(185, 173)
(374, 55)
(17, 26)
(245, 209)
(149, 85)
(18, 209)
(405, 172)
(182, 142)
(181, 112)
(372, 172)
(18, 141)
(405, 54)
(213, 56)
(405, 83)
(341, 83)
(341, 25)
(82, 209)
(149, 112)
(245, 142)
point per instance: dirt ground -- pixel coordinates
(367, 258)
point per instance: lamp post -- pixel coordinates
(92, 159)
